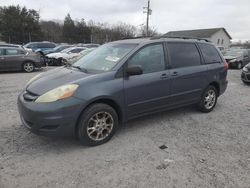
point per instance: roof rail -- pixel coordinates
(139, 37)
(179, 37)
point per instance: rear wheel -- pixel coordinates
(97, 124)
(28, 67)
(208, 99)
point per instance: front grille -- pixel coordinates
(28, 96)
(248, 76)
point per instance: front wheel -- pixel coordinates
(97, 124)
(208, 99)
(28, 67)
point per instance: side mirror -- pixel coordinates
(134, 70)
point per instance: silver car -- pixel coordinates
(13, 58)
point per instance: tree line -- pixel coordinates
(20, 25)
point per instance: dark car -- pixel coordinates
(245, 74)
(237, 58)
(12, 58)
(56, 49)
(39, 46)
(120, 81)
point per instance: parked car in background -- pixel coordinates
(10, 45)
(61, 57)
(237, 58)
(120, 81)
(58, 48)
(39, 47)
(222, 49)
(72, 60)
(12, 58)
(88, 45)
(245, 74)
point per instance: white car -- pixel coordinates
(60, 57)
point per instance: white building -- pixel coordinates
(218, 36)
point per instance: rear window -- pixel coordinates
(46, 45)
(183, 54)
(209, 53)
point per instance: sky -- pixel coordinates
(167, 15)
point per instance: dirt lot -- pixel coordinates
(202, 150)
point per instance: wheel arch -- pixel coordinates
(107, 101)
(216, 85)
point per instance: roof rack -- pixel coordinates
(139, 37)
(179, 37)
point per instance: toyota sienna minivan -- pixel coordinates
(120, 81)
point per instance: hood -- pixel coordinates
(248, 66)
(55, 78)
(54, 55)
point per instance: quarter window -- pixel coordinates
(183, 54)
(209, 53)
(150, 58)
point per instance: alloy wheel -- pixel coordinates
(28, 67)
(210, 99)
(100, 126)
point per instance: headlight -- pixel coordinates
(61, 92)
(232, 60)
(34, 78)
(245, 69)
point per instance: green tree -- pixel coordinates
(82, 32)
(69, 29)
(19, 25)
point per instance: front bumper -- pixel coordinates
(50, 119)
(245, 76)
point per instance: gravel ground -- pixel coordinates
(202, 150)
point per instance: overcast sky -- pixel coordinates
(167, 15)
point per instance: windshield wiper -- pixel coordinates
(80, 68)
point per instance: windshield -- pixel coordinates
(67, 50)
(105, 57)
(233, 53)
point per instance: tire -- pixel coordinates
(93, 129)
(239, 65)
(208, 99)
(28, 67)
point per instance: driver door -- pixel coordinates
(150, 90)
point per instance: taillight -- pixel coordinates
(225, 65)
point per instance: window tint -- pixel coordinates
(150, 58)
(11, 52)
(210, 53)
(183, 54)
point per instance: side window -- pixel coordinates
(183, 54)
(150, 58)
(209, 53)
(1, 52)
(77, 50)
(51, 45)
(11, 52)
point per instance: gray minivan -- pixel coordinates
(122, 80)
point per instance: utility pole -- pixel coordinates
(148, 11)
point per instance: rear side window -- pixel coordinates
(77, 50)
(11, 52)
(1, 51)
(209, 53)
(183, 54)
